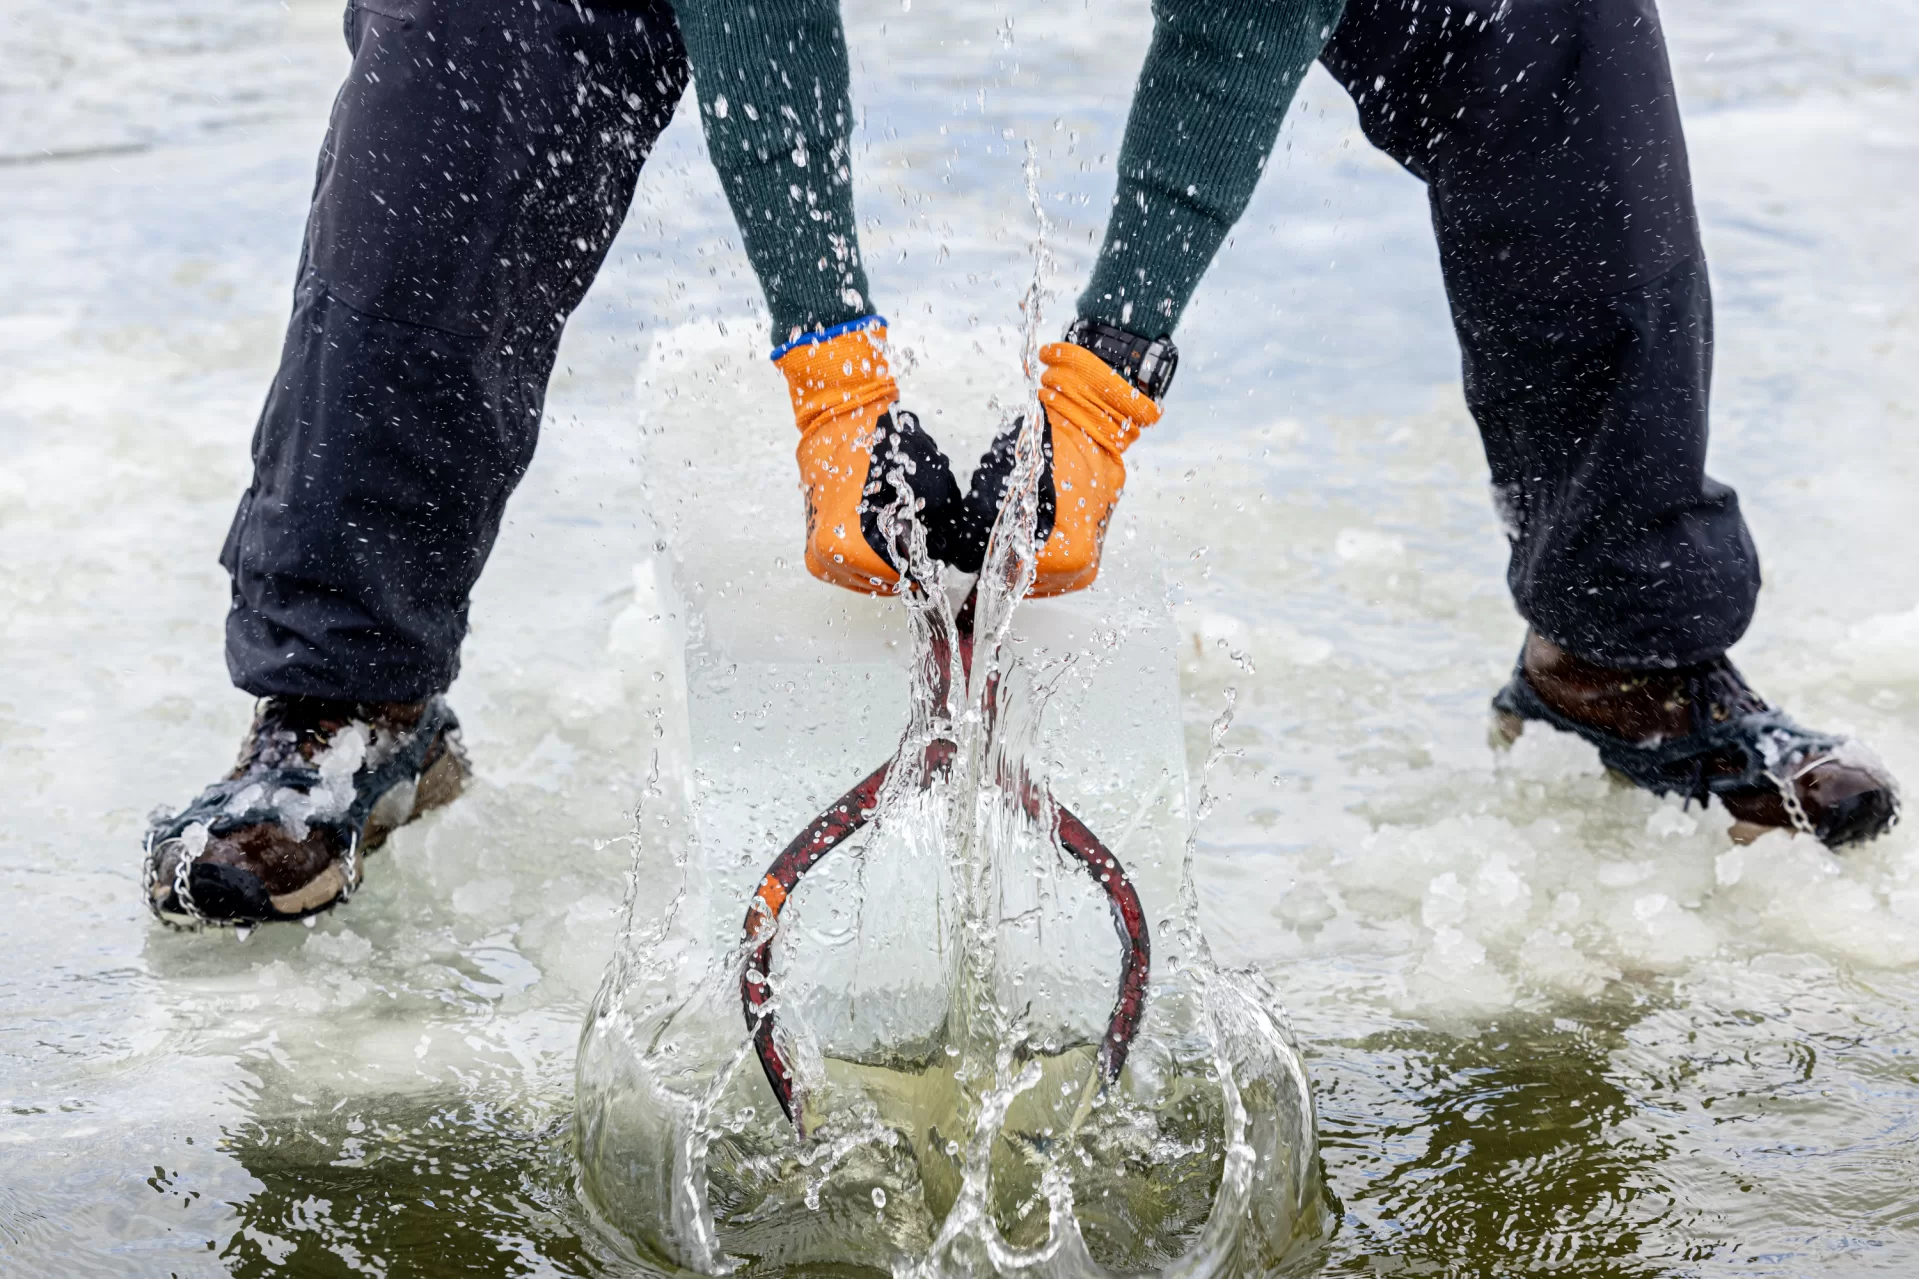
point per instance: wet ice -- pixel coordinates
(1715, 1047)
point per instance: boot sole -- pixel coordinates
(1505, 729)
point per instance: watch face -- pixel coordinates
(1156, 368)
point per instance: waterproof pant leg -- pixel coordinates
(1549, 139)
(480, 158)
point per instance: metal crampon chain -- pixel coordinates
(149, 875)
(182, 888)
(1775, 756)
(350, 866)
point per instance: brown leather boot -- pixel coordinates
(1701, 731)
(319, 784)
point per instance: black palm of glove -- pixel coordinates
(972, 523)
(903, 449)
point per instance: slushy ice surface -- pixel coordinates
(1550, 1023)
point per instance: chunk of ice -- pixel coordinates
(790, 691)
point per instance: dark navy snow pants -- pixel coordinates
(480, 158)
(483, 152)
(1549, 139)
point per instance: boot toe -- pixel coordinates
(1850, 803)
(221, 893)
(229, 894)
(251, 875)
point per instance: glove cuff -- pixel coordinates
(840, 376)
(1079, 386)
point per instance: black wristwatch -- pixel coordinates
(1148, 363)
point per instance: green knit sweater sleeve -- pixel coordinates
(1211, 96)
(773, 86)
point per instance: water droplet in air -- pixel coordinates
(879, 1197)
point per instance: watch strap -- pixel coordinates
(1146, 363)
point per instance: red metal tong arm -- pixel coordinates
(851, 812)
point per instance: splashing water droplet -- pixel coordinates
(929, 1002)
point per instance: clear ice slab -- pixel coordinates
(952, 1118)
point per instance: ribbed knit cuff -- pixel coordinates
(828, 334)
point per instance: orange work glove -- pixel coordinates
(843, 398)
(1092, 414)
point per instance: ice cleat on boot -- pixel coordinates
(1700, 731)
(319, 784)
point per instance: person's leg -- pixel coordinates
(1548, 134)
(1549, 137)
(480, 158)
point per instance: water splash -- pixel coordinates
(951, 1118)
